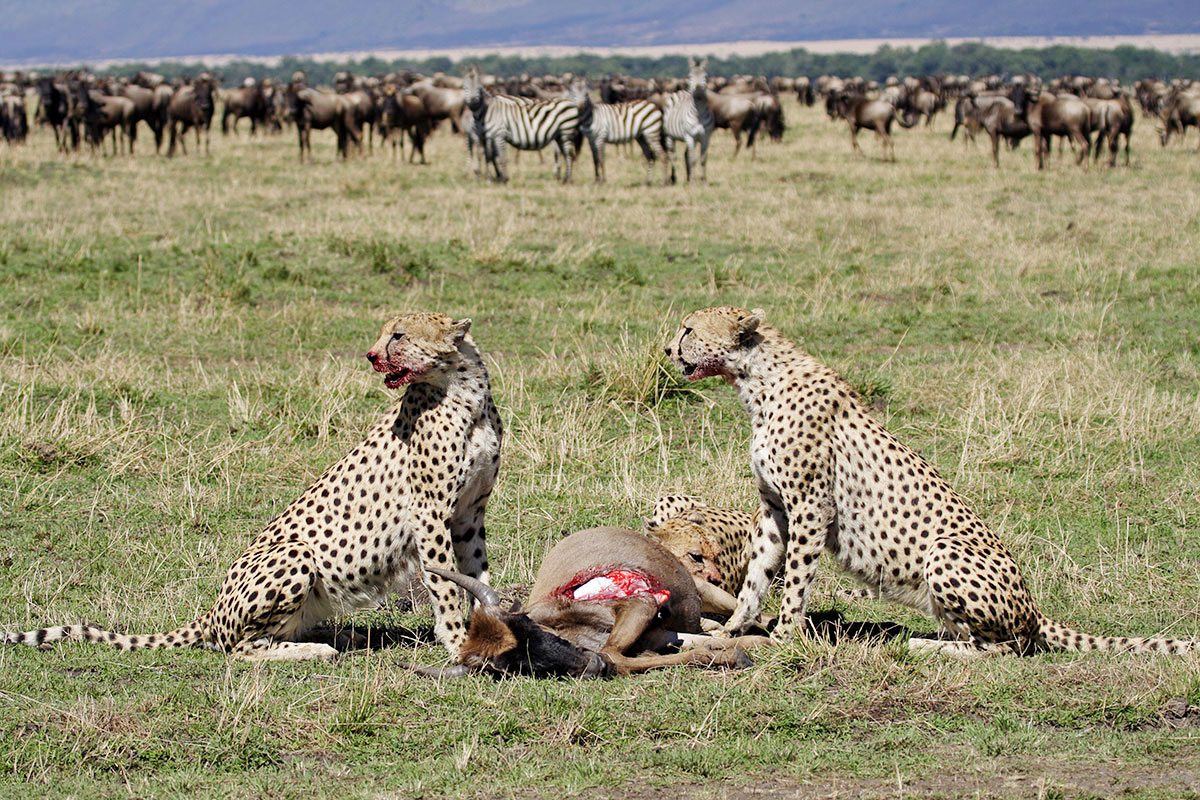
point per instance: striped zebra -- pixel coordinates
(688, 119)
(636, 121)
(503, 120)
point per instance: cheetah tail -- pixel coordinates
(190, 635)
(1056, 636)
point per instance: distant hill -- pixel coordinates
(80, 30)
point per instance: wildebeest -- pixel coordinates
(103, 115)
(400, 113)
(737, 113)
(191, 106)
(605, 601)
(14, 121)
(1049, 115)
(863, 113)
(311, 109)
(55, 107)
(1110, 120)
(145, 109)
(247, 101)
(1180, 110)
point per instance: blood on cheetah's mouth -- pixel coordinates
(394, 380)
(696, 372)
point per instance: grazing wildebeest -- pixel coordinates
(862, 113)
(191, 106)
(606, 601)
(1049, 115)
(401, 112)
(310, 109)
(1180, 110)
(247, 101)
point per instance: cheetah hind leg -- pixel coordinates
(267, 650)
(961, 649)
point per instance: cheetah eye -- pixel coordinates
(397, 336)
(697, 557)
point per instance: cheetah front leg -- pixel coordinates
(470, 545)
(436, 550)
(808, 527)
(768, 553)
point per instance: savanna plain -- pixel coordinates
(181, 353)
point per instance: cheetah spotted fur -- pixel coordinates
(832, 477)
(410, 496)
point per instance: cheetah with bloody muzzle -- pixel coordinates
(410, 496)
(832, 477)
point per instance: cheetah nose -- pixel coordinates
(372, 356)
(667, 352)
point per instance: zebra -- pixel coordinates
(526, 124)
(636, 121)
(688, 119)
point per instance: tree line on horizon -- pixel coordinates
(1126, 63)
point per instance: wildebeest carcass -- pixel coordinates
(606, 601)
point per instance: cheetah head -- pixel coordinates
(690, 542)
(416, 347)
(707, 338)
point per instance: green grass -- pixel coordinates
(181, 352)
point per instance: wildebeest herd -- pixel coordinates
(493, 113)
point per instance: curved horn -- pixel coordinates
(478, 589)
(454, 671)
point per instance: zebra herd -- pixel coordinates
(499, 121)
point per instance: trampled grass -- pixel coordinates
(180, 353)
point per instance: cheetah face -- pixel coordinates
(707, 337)
(417, 347)
(691, 543)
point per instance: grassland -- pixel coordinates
(180, 353)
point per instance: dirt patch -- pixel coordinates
(1175, 713)
(987, 780)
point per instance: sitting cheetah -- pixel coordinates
(831, 476)
(410, 496)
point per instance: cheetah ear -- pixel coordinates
(748, 323)
(461, 326)
(650, 524)
(696, 517)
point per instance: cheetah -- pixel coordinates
(832, 477)
(410, 496)
(716, 545)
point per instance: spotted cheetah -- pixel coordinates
(716, 545)
(832, 477)
(410, 496)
